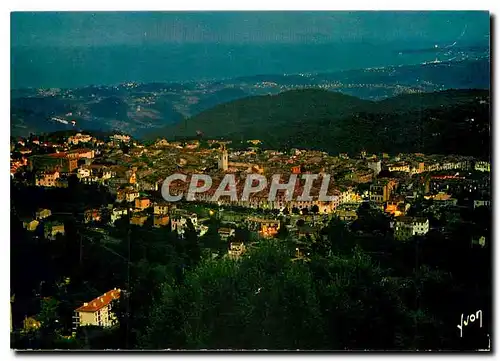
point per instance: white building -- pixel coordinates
(399, 168)
(120, 138)
(161, 209)
(106, 174)
(407, 227)
(131, 196)
(79, 138)
(376, 166)
(482, 166)
(480, 203)
(97, 312)
(118, 213)
(179, 223)
(236, 249)
(226, 233)
(83, 173)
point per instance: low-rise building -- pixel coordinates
(443, 198)
(407, 227)
(98, 311)
(307, 232)
(142, 203)
(480, 241)
(236, 249)
(43, 213)
(396, 207)
(418, 168)
(160, 220)
(118, 213)
(31, 225)
(47, 179)
(62, 182)
(362, 176)
(346, 215)
(375, 166)
(481, 203)
(161, 208)
(179, 222)
(266, 227)
(131, 195)
(138, 219)
(381, 190)
(31, 324)
(51, 230)
(482, 166)
(120, 138)
(83, 172)
(225, 233)
(92, 215)
(399, 167)
(79, 138)
(82, 153)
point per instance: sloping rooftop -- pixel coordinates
(100, 302)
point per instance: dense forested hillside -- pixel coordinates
(453, 121)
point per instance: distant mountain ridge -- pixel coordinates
(320, 119)
(140, 109)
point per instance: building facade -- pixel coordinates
(97, 312)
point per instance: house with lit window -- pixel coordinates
(381, 190)
(160, 220)
(131, 195)
(83, 172)
(92, 215)
(142, 203)
(482, 166)
(160, 209)
(346, 215)
(482, 203)
(399, 167)
(407, 227)
(43, 213)
(118, 213)
(98, 311)
(46, 179)
(236, 249)
(226, 233)
(266, 227)
(138, 219)
(31, 224)
(51, 230)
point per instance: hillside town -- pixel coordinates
(412, 193)
(134, 173)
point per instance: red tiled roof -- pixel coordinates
(58, 155)
(81, 150)
(100, 302)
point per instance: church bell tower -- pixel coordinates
(223, 160)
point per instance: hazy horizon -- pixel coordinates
(72, 49)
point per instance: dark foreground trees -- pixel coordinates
(267, 301)
(356, 292)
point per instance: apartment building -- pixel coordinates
(47, 179)
(98, 311)
(407, 227)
